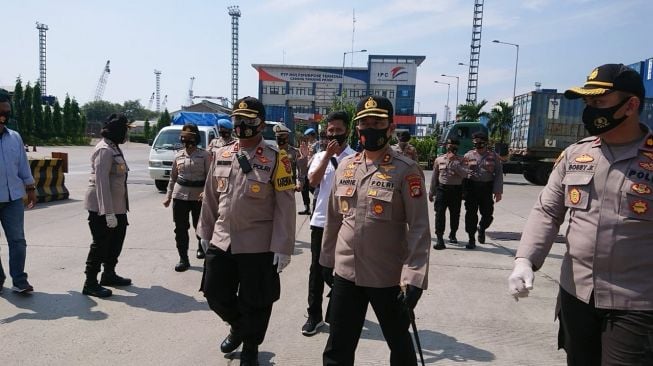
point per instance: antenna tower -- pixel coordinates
(102, 83)
(157, 73)
(42, 53)
(234, 12)
(474, 56)
(353, 33)
(190, 91)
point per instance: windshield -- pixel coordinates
(169, 140)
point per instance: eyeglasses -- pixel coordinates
(247, 121)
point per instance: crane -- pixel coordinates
(190, 90)
(164, 103)
(149, 104)
(102, 83)
(225, 100)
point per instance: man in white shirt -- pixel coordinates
(320, 173)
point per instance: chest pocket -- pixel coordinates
(636, 200)
(577, 190)
(489, 164)
(119, 166)
(258, 183)
(221, 176)
(345, 198)
(379, 204)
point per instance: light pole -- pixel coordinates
(446, 112)
(514, 86)
(342, 76)
(457, 88)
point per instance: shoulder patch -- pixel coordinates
(415, 185)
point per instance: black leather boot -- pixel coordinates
(231, 342)
(200, 253)
(307, 210)
(481, 235)
(183, 265)
(452, 238)
(110, 278)
(440, 244)
(94, 289)
(472, 242)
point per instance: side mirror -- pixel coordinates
(150, 141)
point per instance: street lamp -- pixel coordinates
(514, 87)
(342, 76)
(457, 88)
(446, 112)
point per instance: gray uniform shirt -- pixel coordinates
(485, 168)
(107, 188)
(188, 174)
(244, 211)
(377, 225)
(610, 204)
(448, 171)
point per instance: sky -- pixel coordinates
(560, 42)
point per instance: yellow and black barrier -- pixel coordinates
(49, 179)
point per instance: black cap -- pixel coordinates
(116, 120)
(452, 142)
(479, 135)
(374, 106)
(4, 96)
(249, 107)
(609, 77)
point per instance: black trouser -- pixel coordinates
(241, 289)
(447, 196)
(603, 337)
(106, 245)
(180, 211)
(305, 190)
(478, 197)
(348, 308)
(315, 280)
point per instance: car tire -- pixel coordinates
(161, 185)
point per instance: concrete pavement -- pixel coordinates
(466, 315)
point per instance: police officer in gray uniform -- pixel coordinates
(486, 181)
(107, 204)
(605, 184)
(187, 178)
(247, 224)
(225, 130)
(376, 239)
(446, 187)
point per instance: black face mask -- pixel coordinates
(404, 138)
(282, 140)
(452, 149)
(246, 132)
(117, 134)
(340, 138)
(4, 117)
(601, 120)
(373, 139)
(480, 145)
(188, 142)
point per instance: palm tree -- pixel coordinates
(471, 111)
(500, 120)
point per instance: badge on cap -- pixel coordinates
(574, 195)
(370, 103)
(593, 74)
(414, 185)
(639, 207)
(640, 188)
(242, 105)
(585, 158)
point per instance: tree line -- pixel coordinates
(41, 123)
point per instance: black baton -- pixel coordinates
(411, 314)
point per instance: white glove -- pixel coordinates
(205, 244)
(281, 261)
(112, 221)
(521, 279)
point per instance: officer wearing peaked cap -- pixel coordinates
(377, 206)
(605, 182)
(247, 230)
(297, 160)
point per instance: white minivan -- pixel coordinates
(165, 146)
